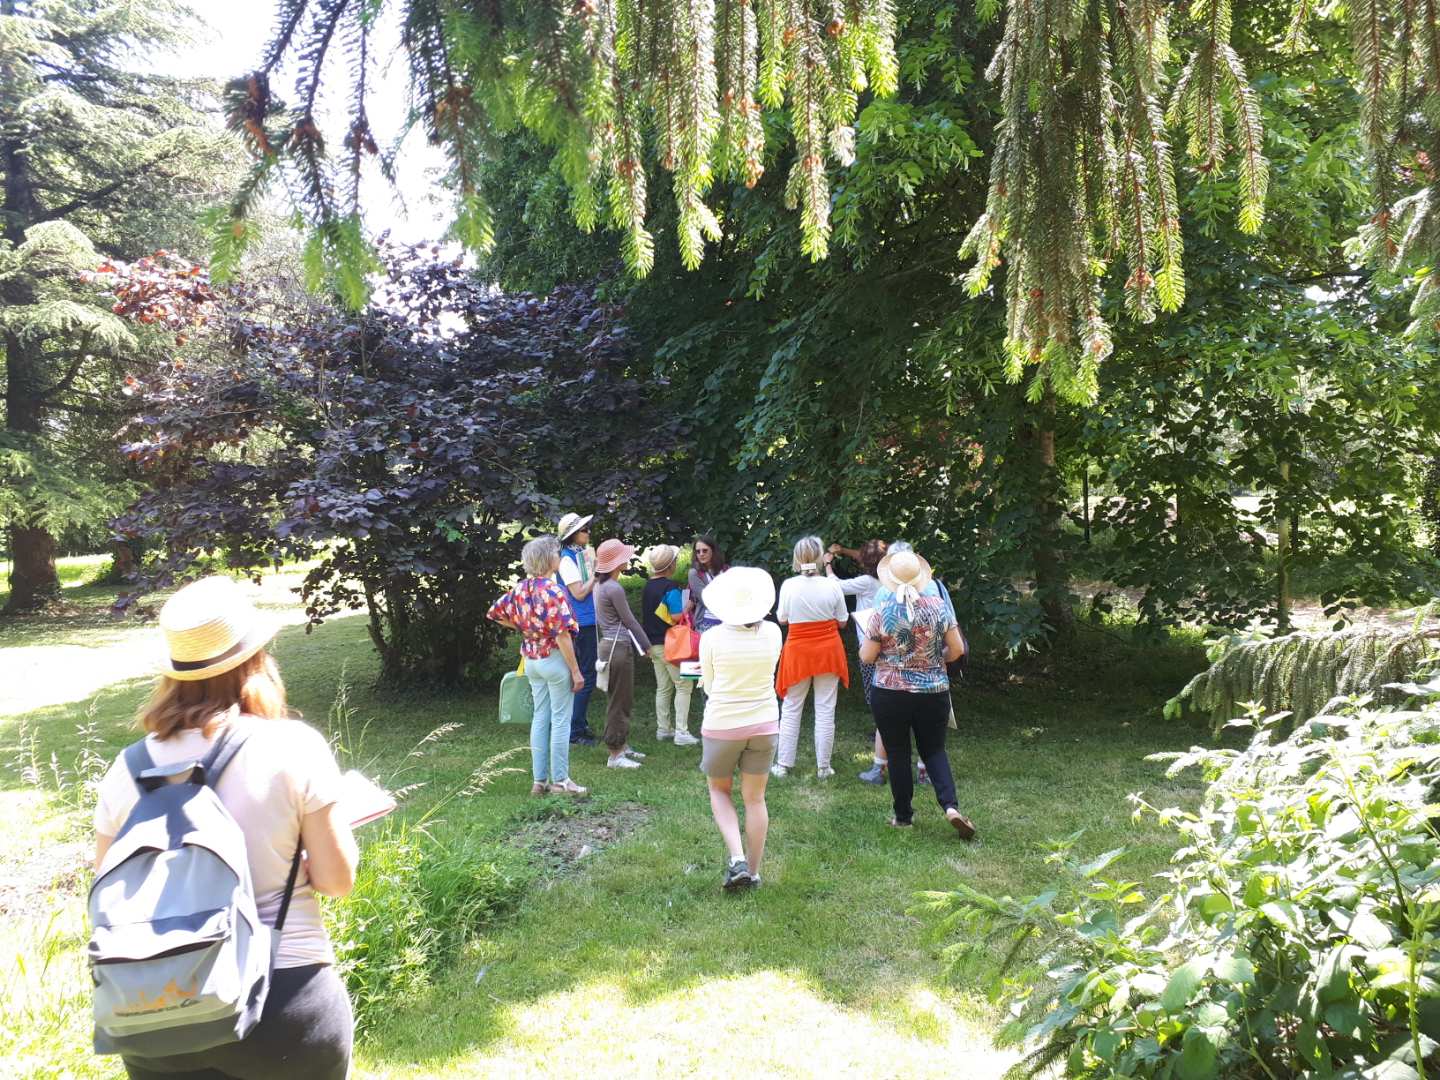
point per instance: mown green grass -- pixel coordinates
(632, 962)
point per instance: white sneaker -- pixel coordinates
(779, 770)
(664, 736)
(684, 738)
(636, 754)
(622, 762)
(824, 774)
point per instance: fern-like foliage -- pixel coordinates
(1304, 672)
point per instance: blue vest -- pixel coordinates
(584, 610)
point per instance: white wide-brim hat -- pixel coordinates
(901, 568)
(570, 524)
(740, 596)
(211, 627)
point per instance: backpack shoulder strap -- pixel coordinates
(138, 760)
(222, 753)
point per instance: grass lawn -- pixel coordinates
(624, 959)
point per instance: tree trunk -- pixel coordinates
(1052, 578)
(33, 577)
(1282, 552)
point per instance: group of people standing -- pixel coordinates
(578, 631)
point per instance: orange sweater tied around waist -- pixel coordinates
(811, 648)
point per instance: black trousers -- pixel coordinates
(304, 1033)
(898, 714)
(587, 646)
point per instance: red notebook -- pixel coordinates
(362, 800)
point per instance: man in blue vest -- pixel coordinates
(577, 577)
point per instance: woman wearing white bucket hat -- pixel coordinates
(742, 714)
(220, 691)
(910, 637)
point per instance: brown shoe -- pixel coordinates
(539, 787)
(962, 824)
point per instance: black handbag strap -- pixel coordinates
(289, 888)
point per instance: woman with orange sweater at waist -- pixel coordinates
(813, 606)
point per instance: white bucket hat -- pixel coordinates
(740, 596)
(570, 524)
(661, 558)
(210, 628)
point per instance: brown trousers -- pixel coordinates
(620, 698)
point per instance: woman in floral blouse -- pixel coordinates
(540, 612)
(910, 636)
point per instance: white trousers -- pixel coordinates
(827, 692)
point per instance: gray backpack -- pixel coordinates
(180, 959)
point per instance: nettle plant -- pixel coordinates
(1297, 934)
(403, 449)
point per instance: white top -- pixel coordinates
(863, 588)
(284, 771)
(811, 599)
(737, 670)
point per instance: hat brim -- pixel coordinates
(888, 580)
(261, 635)
(616, 561)
(577, 526)
(738, 610)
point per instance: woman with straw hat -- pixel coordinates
(619, 635)
(742, 719)
(910, 637)
(672, 690)
(282, 787)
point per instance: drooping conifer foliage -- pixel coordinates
(1083, 177)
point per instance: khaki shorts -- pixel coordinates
(719, 757)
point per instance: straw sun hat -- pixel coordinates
(904, 570)
(661, 558)
(740, 596)
(211, 627)
(570, 524)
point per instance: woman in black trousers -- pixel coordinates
(910, 637)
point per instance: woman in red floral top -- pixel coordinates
(541, 613)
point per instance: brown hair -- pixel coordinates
(254, 689)
(871, 552)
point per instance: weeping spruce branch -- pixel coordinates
(1082, 174)
(1304, 672)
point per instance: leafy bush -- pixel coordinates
(417, 898)
(1298, 933)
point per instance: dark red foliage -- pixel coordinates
(405, 448)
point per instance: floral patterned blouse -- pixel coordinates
(542, 612)
(912, 650)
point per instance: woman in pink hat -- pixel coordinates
(621, 637)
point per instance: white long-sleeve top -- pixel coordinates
(737, 670)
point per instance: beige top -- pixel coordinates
(283, 772)
(737, 670)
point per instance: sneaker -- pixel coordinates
(737, 876)
(622, 762)
(779, 770)
(824, 774)
(584, 740)
(630, 753)
(664, 736)
(568, 787)
(924, 777)
(684, 738)
(874, 775)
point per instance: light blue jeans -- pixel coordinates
(550, 726)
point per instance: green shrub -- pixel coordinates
(1297, 933)
(418, 897)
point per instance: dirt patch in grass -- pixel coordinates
(563, 835)
(26, 883)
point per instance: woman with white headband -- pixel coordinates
(813, 607)
(910, 637)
